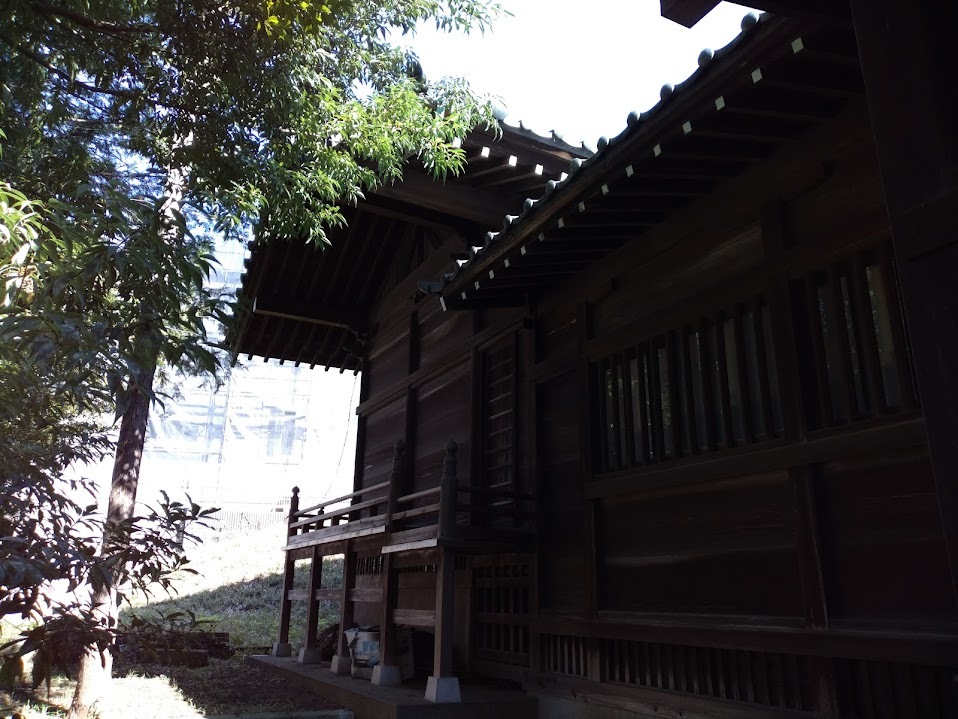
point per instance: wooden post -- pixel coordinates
(448, 493)
(387, 673)
(442, 686)
(309, 654)
(341, 661)
(282, 646)
(395, 488)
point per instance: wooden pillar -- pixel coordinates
(913, 106)
(309, 654)
(442, 686)
(395, 483)
(341, 661)
(282, 647)
(387, 673)
(448, 493)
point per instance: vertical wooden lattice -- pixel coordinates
(696, 389)
(501, 602)
(498, 414)
(854, 340)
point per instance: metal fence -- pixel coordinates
(244, 517)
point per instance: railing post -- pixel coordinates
(394, 483)
(442, 686)
(293, 511)
(341, 662)
(387, 672)
(282, 647)
(448, 492)
(309, 654)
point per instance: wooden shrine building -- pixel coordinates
(679, 438)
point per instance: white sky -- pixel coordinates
(577, 67)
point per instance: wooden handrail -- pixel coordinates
(323, 516)
(423, 494)
(328, 502)
(417, 511)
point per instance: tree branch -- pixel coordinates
(86, 21)
(72, 81)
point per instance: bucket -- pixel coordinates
(363, 645)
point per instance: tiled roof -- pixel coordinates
(826, 75)
(307, 304)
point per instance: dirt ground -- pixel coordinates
(149, 691)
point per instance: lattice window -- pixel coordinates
(498, 413)
(501, 604)
(369, 565)
(418, 569)
(696, 389)
(855, 341)
(770, 679)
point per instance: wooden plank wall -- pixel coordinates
(734, 494)
(752, 516)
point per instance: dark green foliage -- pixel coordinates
(132, 132)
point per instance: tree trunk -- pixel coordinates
(96, 665)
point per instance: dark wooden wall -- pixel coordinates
(735, 499)
(750, 513)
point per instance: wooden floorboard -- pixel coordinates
(480, 699)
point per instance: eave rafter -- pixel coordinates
(294, 309)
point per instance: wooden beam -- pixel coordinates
(689, 12)
(450, 198)
(296, 309)
(554, 160)
(771, 456)
(686, 12)
(913, 107)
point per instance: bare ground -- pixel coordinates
(149, 691)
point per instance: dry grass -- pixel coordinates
(238, 587)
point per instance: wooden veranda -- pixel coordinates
(434, 526)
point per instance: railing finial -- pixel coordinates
(452, 447)
(293, 511)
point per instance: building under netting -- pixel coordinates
(242, 446)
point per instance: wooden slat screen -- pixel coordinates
(369, 565)
(854, 339)
(697, 389)
(501, 605)
(498, 413)
(765, 678)
(561, 654)
(892, 690)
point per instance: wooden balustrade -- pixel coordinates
(451, 517)
(453, 507)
